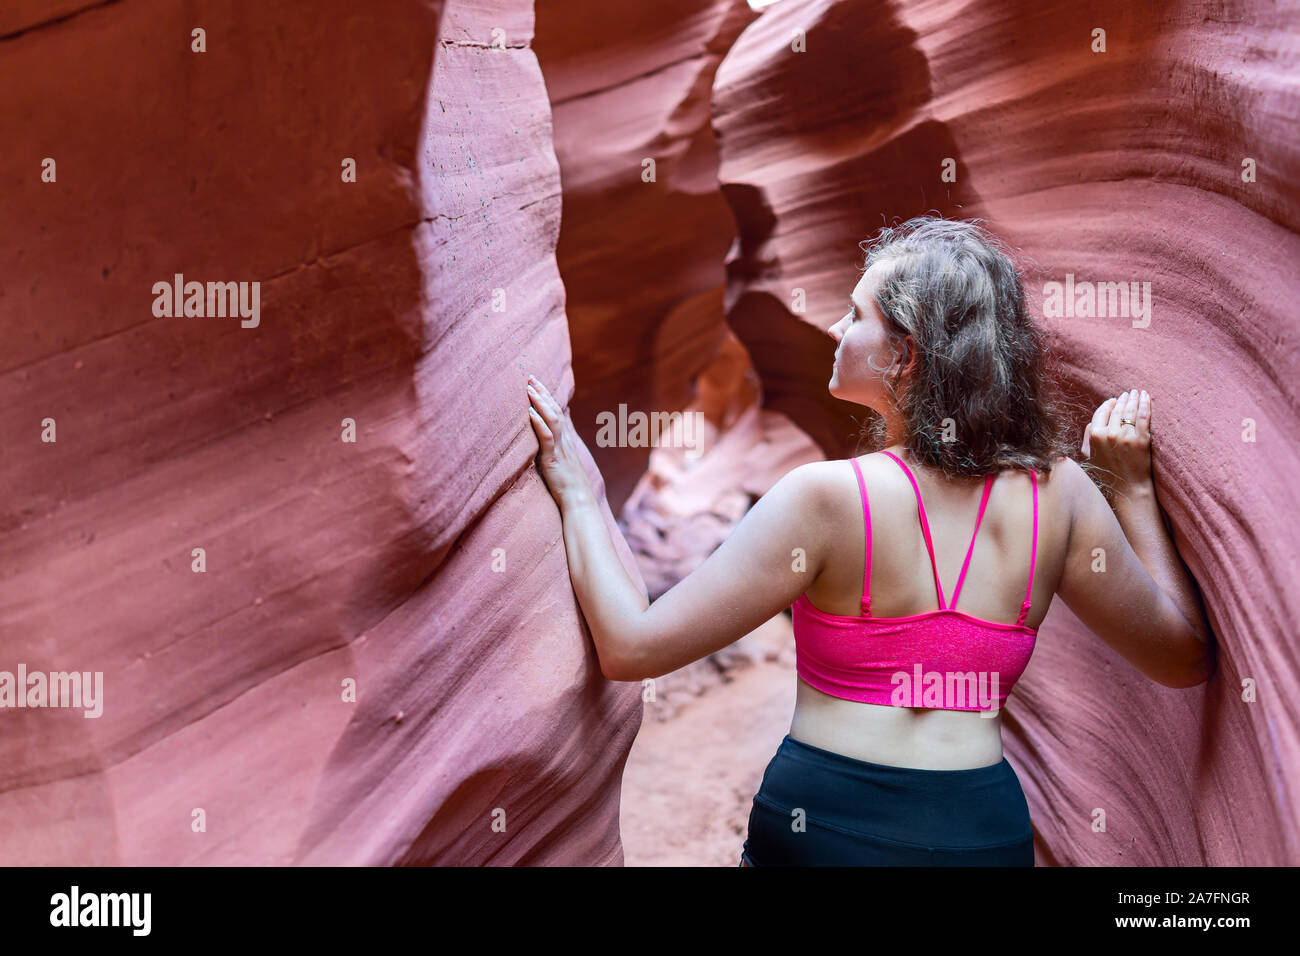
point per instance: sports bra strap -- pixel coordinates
(866, 520)
(984, 501)
(925, 524)
(1033, 551)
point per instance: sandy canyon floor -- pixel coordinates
(696, 764)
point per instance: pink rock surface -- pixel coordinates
(641, 261)
(642, 264)
(1116, 166)
(424, 561)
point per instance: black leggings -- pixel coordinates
(818, 808)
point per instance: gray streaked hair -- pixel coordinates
(980, 359)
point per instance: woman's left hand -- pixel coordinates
(558, 460)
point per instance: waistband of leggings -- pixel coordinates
(845, 763)
(976, 807)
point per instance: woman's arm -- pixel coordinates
(773, 556)
(1138, 514)
(611, 603)
(1123, 578)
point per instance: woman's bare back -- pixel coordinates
(902, 584)
(1141, 603)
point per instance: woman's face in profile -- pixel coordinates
(859, 335)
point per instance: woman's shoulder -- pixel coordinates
(1064, 479)
(833, 483)
(825, 482)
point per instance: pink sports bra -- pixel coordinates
(943, 659)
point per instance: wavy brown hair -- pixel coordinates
(982, 365)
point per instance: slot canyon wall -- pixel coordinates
(641, 249)
(421, 563)
(641, 253)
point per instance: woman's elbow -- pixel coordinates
(628, 667)
(618, 667)
(611, 670)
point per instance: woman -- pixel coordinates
(894, 754)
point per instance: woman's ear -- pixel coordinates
(911, 359)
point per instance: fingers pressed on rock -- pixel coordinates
(1131, 405)
(1113, 413)
(544, 409)
(1144, 412)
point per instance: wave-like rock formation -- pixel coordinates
(419, 567)
(641, 254)
(645, 227)
(1169, 157)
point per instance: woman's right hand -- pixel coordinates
(1122, 450)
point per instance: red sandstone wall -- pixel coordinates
(642, 264)
(641, 261)
(422, 561)
(1123, 165)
